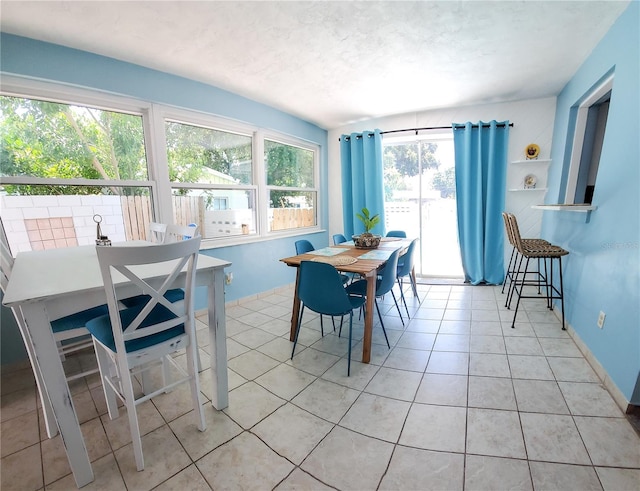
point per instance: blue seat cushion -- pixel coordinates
(175, 295)
(80, 319)
(100, 328)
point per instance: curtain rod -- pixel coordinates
(486, 125)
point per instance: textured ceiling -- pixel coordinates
(333, 63)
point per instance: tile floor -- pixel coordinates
(460, 402)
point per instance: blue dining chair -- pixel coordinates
(321, 290)
(339, 239)
(384, 285)
(303, 246)
(397, 233)
(404, 269)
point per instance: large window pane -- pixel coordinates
(291, 181)
(49, 150)
(51, 140)
(219, 212)
(288, 165)
(203, 155)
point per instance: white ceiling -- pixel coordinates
(334, 63)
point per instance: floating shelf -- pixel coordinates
(531, 161)
(581, 208)
(528, 190)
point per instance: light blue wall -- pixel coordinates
(602, 271)
(255, 266)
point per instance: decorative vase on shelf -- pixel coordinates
(366, 241)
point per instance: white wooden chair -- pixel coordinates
(140, 337)
(69, 332)
(176, 233)
(156, 232)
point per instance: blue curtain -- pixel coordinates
(362, 179)
(481, 163)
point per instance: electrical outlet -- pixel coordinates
(228, 278)
(601, 317)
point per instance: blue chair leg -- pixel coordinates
(382, 324)
(397, 306)
(350, 336)
(400, 284)
(295, 339)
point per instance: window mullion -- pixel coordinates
(156, 145)
(260, 179)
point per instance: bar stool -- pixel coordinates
(515, 255)
(511, 225)
(540, 251)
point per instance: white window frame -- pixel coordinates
(278, 138)
(579, 135)
(153, 118)
(208, 121)
(50, 92)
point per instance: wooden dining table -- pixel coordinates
(368, 263)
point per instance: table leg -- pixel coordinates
(368, 317)
(218, 339)
(295, 311)
(55, 384)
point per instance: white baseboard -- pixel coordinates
(602, 374)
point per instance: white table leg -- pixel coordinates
(55, 384)
(218, 339)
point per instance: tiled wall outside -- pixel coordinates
(51, 233)
(71, 216)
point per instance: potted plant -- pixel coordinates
(367, 240)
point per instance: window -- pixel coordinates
(211, 174)
(221, 203)
(62, 163)
(291, 177)
(67, 154)
(420, 198)
(590, 125)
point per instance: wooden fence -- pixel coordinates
(136, 214)
(286, 218)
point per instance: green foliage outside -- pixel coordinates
(288, 166)
(445, 182)
(405, 160)
(50, 140)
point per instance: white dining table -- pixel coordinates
(50, 284)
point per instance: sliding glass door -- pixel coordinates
(420, 198)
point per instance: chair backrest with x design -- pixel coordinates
(176, 233)
(132, 262)
(151, 329)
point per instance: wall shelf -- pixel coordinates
(528, 190)
(581, 208)
(531, 161)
